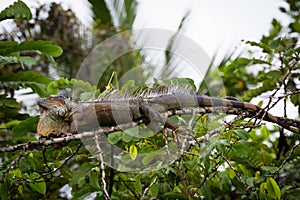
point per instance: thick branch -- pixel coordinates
(39, 143)
(199, 110)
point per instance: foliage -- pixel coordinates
(61, 27)
(242, 161)
(124, 13)
(18, 10)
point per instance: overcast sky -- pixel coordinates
(216, 25)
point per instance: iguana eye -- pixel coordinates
(61, 112)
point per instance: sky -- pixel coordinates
(217, 26)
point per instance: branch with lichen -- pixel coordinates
(37, 144)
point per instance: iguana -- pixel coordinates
(61, 115)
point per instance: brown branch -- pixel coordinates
(53, 141)
(148, 188)
(235, 171)
(286, 159)
(289, 94)
(218, 130)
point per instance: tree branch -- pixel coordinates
(12, 164)
(52, 141)
(102, 167)
(148, 188)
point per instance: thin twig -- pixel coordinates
(286, 159)
(288, 94)
(218, 130)
(236, 172)
(148, 188)
(10, 165)
(102, 166)
(65, 161)
(166, 142)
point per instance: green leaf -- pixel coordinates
(85, 89)
(17, 10)
(126, 138)
(94, 180)
(66, 172)
(138, 185)
(221, 147)
(295, 99)
(274, 74)
(23, 60)
(274, 32)
(242, 134)
(9, 102)
(28, 125)
(265, 132)
(115, 137)
(144, 133)
(80, 173)
(225, 180)
(24, 165)
(231, 173)
(275, 43)
(130, 9)
(36, 81)
(295, 26)
(149, 157)
(262, 190)
(173, 195)
(7, 48)
(134, 132)
(82, 181)
(4, 190)
(206, 162)
(154, 190)
(269, 169)
(244, 170)
(222, 144)
(133, 152)
(38, 185)
(273, 189)
(206, 191)
(101, 12)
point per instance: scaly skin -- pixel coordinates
(59, 114)
(56, 116)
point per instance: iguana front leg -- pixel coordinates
(155, 119)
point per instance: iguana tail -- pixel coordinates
(289, 124)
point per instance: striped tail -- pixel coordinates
(205, 101)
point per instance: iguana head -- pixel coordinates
(56, 116)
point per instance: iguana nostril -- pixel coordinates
(43, 103)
